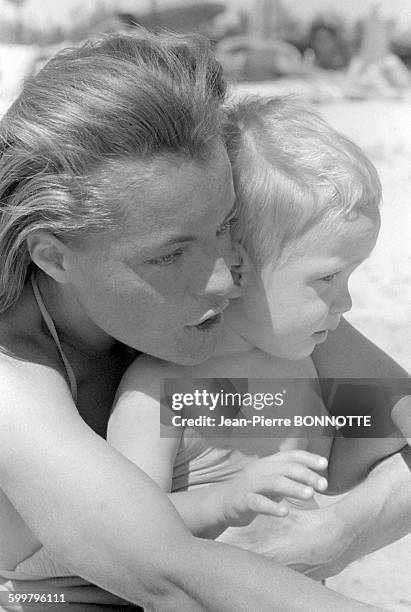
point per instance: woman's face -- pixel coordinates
(160, 283)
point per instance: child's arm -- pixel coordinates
(134, 424)
(134, 430)
(257, 489)
(347, 354)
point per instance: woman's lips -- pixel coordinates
(207, 323)
(210, 314)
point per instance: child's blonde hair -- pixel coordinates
(293, 171)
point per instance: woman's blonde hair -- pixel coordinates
(89, 109)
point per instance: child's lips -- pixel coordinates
(321, 335)
(326, 329)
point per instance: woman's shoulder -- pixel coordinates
(29, 379)
(23, 363)
(29, 385)
(20, 331)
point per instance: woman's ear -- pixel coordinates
(49, 254)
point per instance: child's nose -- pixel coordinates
(342, 302)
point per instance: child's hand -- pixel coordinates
(262, 484)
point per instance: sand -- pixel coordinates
(381, 287)
(381, 291)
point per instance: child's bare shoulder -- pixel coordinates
(148, 378)
(147, 366)
(148, 370)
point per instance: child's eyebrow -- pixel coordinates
(338, 266)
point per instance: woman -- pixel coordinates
(110, 154)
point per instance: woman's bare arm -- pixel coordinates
(321, 543)
(108, 522)
(376, 512)
(347, 354)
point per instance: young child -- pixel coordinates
(308, 203)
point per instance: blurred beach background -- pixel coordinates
(352, 60)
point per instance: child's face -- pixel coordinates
(293, 304)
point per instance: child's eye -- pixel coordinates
(329, 278)
(226, 226)
(166, 260)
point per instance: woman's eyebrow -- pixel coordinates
(177, 240)
(191, 238)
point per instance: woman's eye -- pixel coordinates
(166, 260)
(226, 226)
(329, 278)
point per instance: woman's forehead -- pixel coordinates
(169, 197)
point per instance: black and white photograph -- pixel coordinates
(205, 305)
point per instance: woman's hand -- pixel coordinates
(262, 484)
(313, 542)
(374, 514)
(322, 542)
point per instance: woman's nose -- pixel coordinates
(219, 281)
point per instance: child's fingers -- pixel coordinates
(275, 486)
(310, 460)
(263, 505)
(300, 473)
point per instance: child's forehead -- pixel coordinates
(357, 232)
(328, 246)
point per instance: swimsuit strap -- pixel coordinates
(52, 329)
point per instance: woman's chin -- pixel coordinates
(193, 345)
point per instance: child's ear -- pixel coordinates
(240, 269)
(49, 254)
